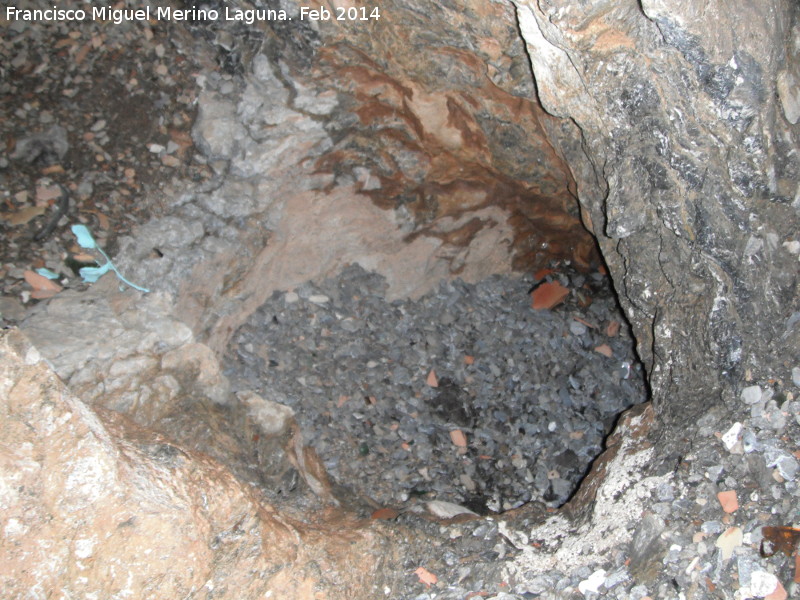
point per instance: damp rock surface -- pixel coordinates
(467, 395)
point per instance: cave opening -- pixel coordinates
(425, 187)
(346, 232)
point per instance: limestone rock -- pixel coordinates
(689, 178)
(93, 506)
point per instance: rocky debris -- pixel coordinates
(671, 130)
(120, 349)
(94, 506)
(383, 392)
(83, 106)
(677, 109)
(678, 538)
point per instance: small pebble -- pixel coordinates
(731, 437)
(751, 394)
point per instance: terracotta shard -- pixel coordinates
(797, 568)
(40, 283)
(589, 324)
(385, 514)
(432, 380)
(605, 350)
(729, 501)
(426, 577)
(548, 295)
(458, 438)
(613, 329)
(779, 593)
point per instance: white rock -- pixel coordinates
(84, 547)
(319, 299)
(792, 247)
(762, 583)
(731, 437)
(593, 582)
(447, 510)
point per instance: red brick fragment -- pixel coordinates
(728, 500)
(548, 295)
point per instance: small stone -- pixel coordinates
(458, 438)
(751, 394)
(616, 578)
(386, 514)
(291, 297)
(731, 437)
(45, 194)
(170, 161)
(762, 584)
(728, 500)
(787, 466)
(318, 299)
(796, 376)
(99, 125)
(665, 492)
(548, 295)
(750, 442)
(592, 583)
(711, 527)
(432, 380)
(605, 350)
(787, 88)
(779, 593)
(155, 148)
(447, 510)
(612, 329)
(728, 541)
(577, 328)
(467, 482)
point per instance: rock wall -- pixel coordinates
(418, 151)
(685, 153)
(94, 506)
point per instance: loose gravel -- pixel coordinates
(467, 395)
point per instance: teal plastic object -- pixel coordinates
(92, 274)
(47, 273)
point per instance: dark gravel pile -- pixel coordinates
(527, 389)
